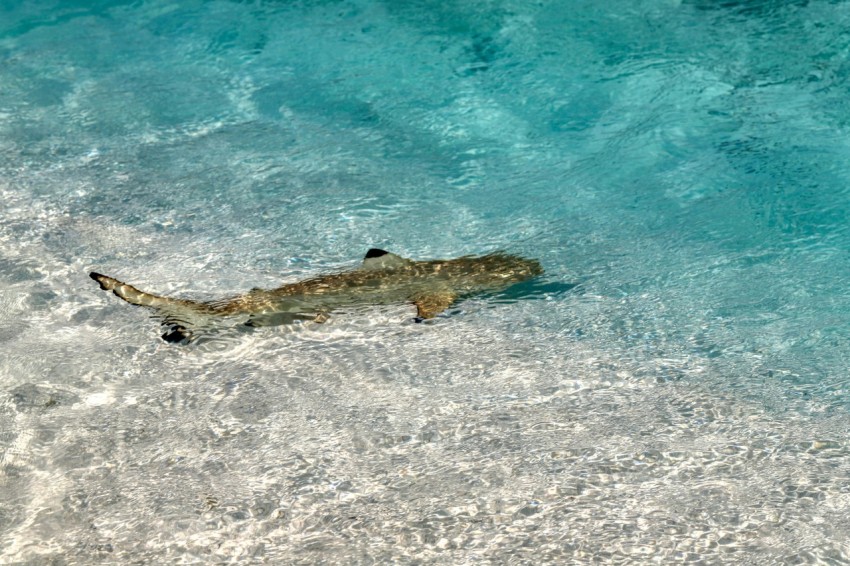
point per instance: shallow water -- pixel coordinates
(675, 387)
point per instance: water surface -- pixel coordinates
(675, 390)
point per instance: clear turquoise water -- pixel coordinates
(686, 164)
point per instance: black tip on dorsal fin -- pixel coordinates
(375, 252)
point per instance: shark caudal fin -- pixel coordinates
(177, 314)
(131, 294)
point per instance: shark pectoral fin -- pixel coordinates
(429, 306)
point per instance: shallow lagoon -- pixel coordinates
(683, 164)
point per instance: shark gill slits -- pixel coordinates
(375, 252)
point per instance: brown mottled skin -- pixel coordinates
(384, 278)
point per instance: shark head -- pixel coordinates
(466, 273)
(433, 285)
(496, 270)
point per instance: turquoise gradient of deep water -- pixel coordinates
(676, 388)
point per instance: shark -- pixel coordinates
(382, 278)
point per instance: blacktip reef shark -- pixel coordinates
(383, 278)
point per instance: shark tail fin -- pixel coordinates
(179, 316)
(143, 299)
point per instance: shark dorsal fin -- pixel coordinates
(381, 259)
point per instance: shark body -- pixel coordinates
(383, 278)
